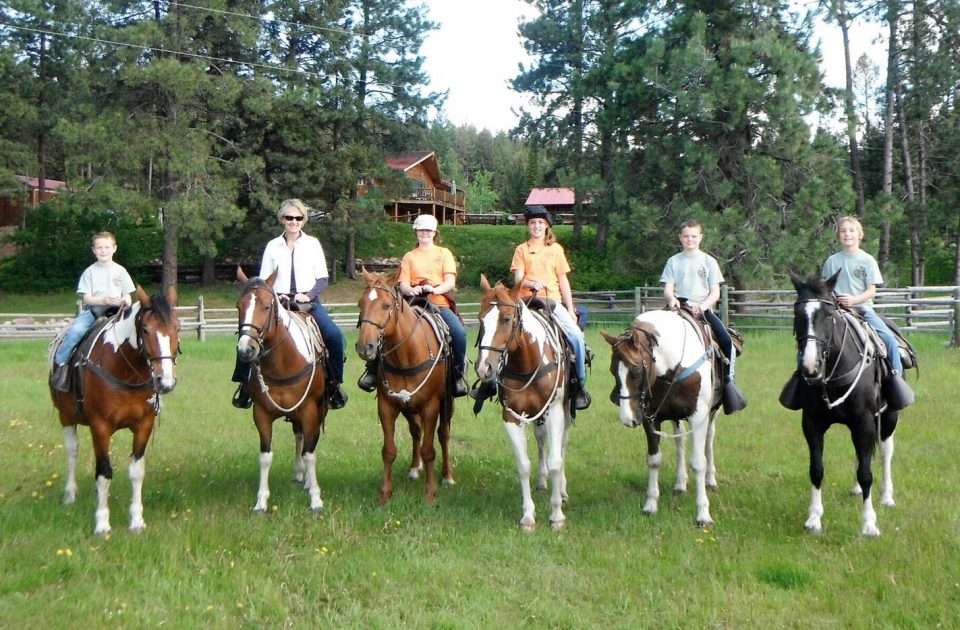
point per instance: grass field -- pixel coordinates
(205, 559)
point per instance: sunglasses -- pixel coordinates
(290, 217)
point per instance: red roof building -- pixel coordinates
(428, 193)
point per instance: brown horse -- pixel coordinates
(523, 353)
(412, 379)
(287, 380)
(124, 367)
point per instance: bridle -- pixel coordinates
(826, 375)
(260, 333)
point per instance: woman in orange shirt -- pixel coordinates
(540, 267)
(430, 270)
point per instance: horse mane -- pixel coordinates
(161, 306)
(814, 288)
(499, 292)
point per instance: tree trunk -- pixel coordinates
(892, 13)
(843, 19)
(207, 271)
(350, 256)
(170, 254)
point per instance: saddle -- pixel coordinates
(81, 352)
(302, 315)
(908, 356)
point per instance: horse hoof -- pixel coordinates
(448, 481)
(102, 532)
(558, 525)
(712, 487)
(318, 510)
(528, 526)
(702, 522)
(871, 532)
(679, 492)
(259, 510)
(138, 529)
(68, 499)
(413, 475)
(813, 530)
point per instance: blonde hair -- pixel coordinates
(103, 234)
(297, 205)
(854, 221)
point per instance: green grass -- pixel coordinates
(205, 559)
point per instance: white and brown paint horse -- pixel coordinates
(841, 375)
(123, 371)
(414, 367)
(523, 354)
(664, 371)
(287, 380)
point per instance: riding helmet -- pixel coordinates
(538, 212)
(425, 222)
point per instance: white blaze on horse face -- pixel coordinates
(244, 341)
(626, 404)
(489, 322)
(810, 353)
(167, 379)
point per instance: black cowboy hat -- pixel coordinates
(538, 212)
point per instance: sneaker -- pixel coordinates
(338, 399)
(368, 381)
(241, 398)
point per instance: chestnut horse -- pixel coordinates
(414, 364)
(523, 354)
(664, 371)
(287, 380)
(123, 369)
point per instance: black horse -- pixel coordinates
(840, 374)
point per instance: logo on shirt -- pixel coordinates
(116, 282)
(860, 272)
(702, 273)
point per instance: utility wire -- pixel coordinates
(266, 19)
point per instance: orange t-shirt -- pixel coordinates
(418, 265)
(541, 263)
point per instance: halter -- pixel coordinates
(393, 312)
(273, 320)
(827, 348)
(537, 374)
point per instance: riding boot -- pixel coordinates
(368, 380)
(733, 400)
(60, 378)
(459, 385)
(241, 398)
(896, 392)
(790, 396)
(581, 399)
(336, 396)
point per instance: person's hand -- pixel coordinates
(109, 299)
(426, 288)
(302, 298)
(536, 286)
(673, 303)
(845, 301)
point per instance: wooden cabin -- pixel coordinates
(13, 206)
(428, 193)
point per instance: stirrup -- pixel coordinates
(336, 396)
(241, 397)
(581, 399)
(367, 381)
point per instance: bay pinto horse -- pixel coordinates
(413, 379)
(664, 371)
(287, 380)
(123, 371)
(841, 384)
(524, 355)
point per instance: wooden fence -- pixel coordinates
(915, 309)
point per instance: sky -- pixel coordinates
(476, 51)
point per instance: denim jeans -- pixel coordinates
(889, 340)
(75, 333)
(333, 339)
(575, 337)
(459, 336)
(723, 338)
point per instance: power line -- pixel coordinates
(266, 19)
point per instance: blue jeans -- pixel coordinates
(723, 338)
(333, 339)
(889, 340)
(75, 333)
(575, 337)
(459, 336)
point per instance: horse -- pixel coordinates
(841, 384)
(124, 367)
(287, 380)
(664, 370)
(523, 354)
(413, 378)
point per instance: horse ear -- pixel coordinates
(795, 279)
(272, 278)
(143, 297)
(242, 277)
(515, 290)
(366, 275)
(172, 295)
(484, 283)
(610, 338)
(832, 280)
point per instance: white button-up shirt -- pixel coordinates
(309, 263)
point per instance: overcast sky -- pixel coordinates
(476, 50)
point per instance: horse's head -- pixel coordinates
(259, 311)
(378, 306)
(501, 312)
(632, 366)
(814, 320)
(158, 336)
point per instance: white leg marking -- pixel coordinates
(414, 473)
(886, 491)
(137, 471)
(298, 468)
(70, 444)
(101, 517)
(541, 436)
(263, 493)
(680, 439)
(711, 466)
(518, 439)
(313, 488)
(815, 513)
(555, 435)
(698, 461)
(870, 528)
(653, 482)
